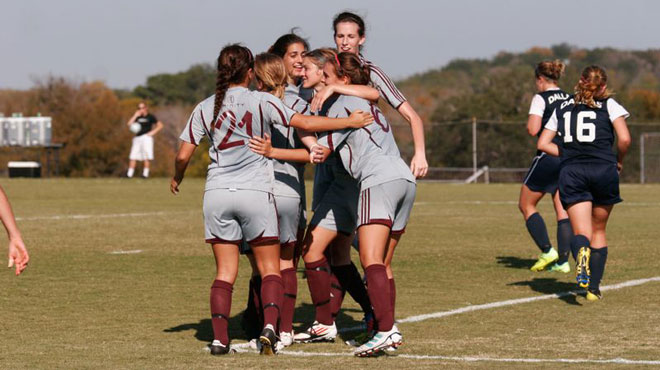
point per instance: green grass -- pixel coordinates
(78, 306)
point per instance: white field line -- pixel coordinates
(245, 347)
(135, 251)
(85, 217)
(513, 202)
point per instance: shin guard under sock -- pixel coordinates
(337, 293)
(318, 279)
(271, 300)
(290, 283)
(378, 288)
(597, 266)
(564, 235)
(538, 231)
(220, 309)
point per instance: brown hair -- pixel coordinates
(590, 86)
(269, 69)
(348, 17)
(281, 45)
(349, 65)
(550, 69)
(321, 56)
(234, 62)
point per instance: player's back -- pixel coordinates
(587, 133)
(243, 114)
(370, 154)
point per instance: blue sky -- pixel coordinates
(123, 41)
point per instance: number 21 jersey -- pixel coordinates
(243, 114)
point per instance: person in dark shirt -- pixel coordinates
(589, 169)
(142, 148)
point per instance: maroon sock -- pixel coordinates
(349, 278)
(378, 288)
(290, 283)
(271, 300)
(393, 295)
(220, 308)
(318, 279)
(337, 293)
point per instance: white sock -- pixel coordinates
(145, 172)
(130, 172)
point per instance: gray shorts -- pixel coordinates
(337, 209)
(288, 215)
(231, 215)
(388, 204)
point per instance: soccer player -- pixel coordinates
(238, 198)
(589, 174)
(387, 193)
(142, 148)
(543, 174)
(333, 224)
(349, 36)
(18, 254)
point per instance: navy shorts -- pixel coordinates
(596, 182)
(543, 174)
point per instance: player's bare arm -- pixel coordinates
(545, 143)
(181, 161)
(533, 124)
(362, 91)
(357, 119)
(18, 255)
(418, 165)
(623, 140)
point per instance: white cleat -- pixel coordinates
(381, 342)
(317, 333)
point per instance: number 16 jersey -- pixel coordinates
(243, 114)
(586, 133)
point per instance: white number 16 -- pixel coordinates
(586, 131)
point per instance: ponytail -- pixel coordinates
(590, 86)
(551, 70)
(234, 62)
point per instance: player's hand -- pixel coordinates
(317, 154)
(619, 167)
(320, 97)
(419, 166)
(359, 119)
(18, 255)
(174, 186)
(261, 145)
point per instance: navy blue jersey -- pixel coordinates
(586, 133)
(543, 105)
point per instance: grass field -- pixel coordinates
(80, 306)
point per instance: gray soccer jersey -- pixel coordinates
(369, 154)
(243, 114)
(383, 83)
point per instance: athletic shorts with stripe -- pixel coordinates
(337, 209)
(231, 215)
(388, 204)
(543, 174)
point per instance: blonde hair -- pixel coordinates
(550, 69)
(590, 86)
(269, 69)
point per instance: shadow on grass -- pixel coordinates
(515, 262)
(551, 286)
(303, 317)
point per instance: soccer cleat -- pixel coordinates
(594, 295)
(362, 338)
(217, 348)
(564, 267)
(286, 339)
(582, 272)
(317, 333)
(545, 259)
(379, 343)
(268, 341)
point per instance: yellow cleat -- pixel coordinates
(582, 272)
(545, 259)
(564, 267)
(594, 296)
